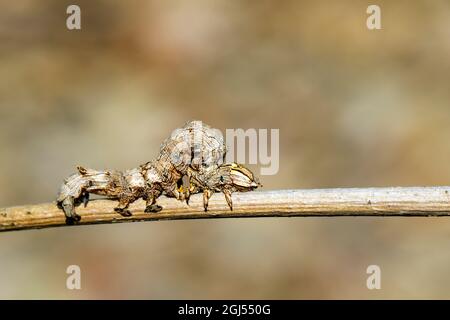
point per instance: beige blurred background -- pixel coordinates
(355, 108)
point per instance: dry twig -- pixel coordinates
(373, 202)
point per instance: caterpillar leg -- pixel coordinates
(177, 191)
(206, 195)
(122, 208)
(151, 206)
(68, 206)
(187, 190)
(227, 194)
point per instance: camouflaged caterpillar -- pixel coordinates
(195, 151)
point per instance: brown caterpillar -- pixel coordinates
(196, 151)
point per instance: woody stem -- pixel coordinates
(369, 202)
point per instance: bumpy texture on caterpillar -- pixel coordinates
(196, 151)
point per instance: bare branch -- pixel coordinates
(373, 202)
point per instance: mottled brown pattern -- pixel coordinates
(196, 151)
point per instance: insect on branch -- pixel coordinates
(370, 202)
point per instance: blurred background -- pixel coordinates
(355, 108)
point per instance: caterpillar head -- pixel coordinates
(230, 176)
(234, 177)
